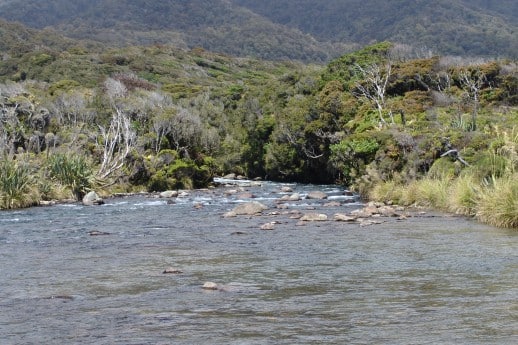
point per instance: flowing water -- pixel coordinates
(425, 280)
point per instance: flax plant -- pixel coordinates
(71, 171)
(15, 185)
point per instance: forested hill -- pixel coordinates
(282, 29)
(215, 25)
(455, 27)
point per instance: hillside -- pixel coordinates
(281, 29)
(449, 27)
(215, 25)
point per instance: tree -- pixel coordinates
(472, 83)
(372, 87)
(119, 138)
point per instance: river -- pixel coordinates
(429, 279)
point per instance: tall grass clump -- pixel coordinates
(73, 172)
(464, 195)
(386, 191)
(498, 202)
(426, 192)
(15, 185)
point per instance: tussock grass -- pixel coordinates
(385, 191)
(498, 202)
(426, 192)
(464, 195)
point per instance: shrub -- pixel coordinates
(15, 182)
(72, 171)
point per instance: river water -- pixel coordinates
(425, 280)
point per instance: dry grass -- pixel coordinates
(464, 195)
(498, 203)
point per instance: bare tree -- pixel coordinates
(162, 125)
(186, 128)
(373, 88)
(8, 130)
(117, 142)
(472, 83)
(119, 138)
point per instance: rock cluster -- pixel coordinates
(372, 213)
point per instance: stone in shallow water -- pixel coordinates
(249, 208)
(340, 217)
(169, 194)
(314, 217)
(98, 233)
(92, 198)
(210, 286)
(268, 226)
(172, 270)
(316, 195)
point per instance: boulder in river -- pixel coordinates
(169, 194)
(340, 217)
(172, 270)
(314, 217)
(249, 208)
(316, 195)
(210, 286)
(268, 226)
(92, 198)
(230, 176)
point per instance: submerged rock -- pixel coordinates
(172, 270)
(332, 204)
(98, 233)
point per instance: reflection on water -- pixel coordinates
(426, 280)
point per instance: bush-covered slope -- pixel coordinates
(216, 25)
(445, 26)
(280, 29)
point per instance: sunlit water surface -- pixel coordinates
(425, 280)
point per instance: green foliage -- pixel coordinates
(344, 70)
(351, 156)
(171, 172)
(15, 185)
(72, 171)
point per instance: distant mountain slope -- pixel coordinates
(212, 24)
(281, 29)
(506, 8)
(447, 26)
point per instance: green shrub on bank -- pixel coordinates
(71, 171)
(15, 185)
